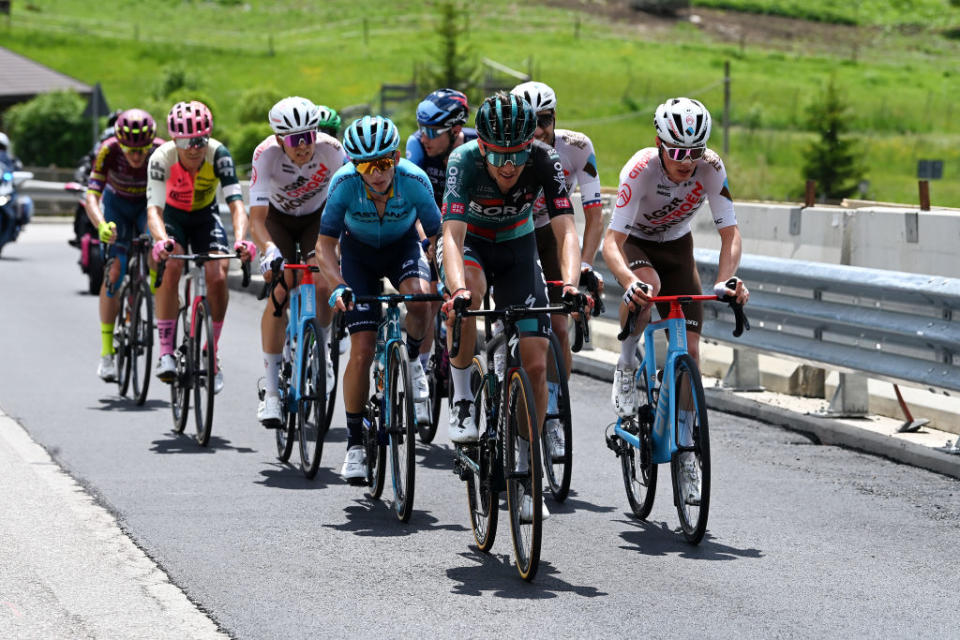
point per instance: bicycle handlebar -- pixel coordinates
(740, 318)
(276, 266)
(201, 258)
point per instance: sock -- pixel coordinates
(106, 339)
(424, 359)
(165, 331)
(354, 429)
(153, 278)
(413, 347)
(461, 383)
(217, 328)
(271, 378)
(628, 353)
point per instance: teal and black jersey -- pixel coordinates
(472, 196)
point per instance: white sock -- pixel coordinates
(628, 353)
(461, 382)
(271, 378)
(424, 359)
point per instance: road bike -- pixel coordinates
(133, 328)
(506, 456)
(389, 419)
(303, 371)
(195, 354)
(670, 421)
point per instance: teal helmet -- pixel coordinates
(370, 137)
(506, 120)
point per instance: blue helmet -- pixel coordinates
(370, 137)
(443, 108)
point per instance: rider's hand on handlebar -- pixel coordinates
(587, 268)
(266, 261)
(162, 249)
(447, 308)
(637, 295)
(338, 296)
(107, 232)
(246, 249)
(732, 288)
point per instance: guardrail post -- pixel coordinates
(744, 371)
(851, 399)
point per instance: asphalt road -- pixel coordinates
(803, 540)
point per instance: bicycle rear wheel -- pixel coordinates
(523, 474)
(122, 337)
(401, 430)
(202, 353)
(311, 408)
(691, 408)
(483, 499)
(182, 385)
(639, 472)
(141, 343)
(556, 468)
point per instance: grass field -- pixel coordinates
(608, 81)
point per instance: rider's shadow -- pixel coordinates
(377, 518)
(571, 504)
(120, 403)
(288, 476)
(658, 539)
(183, 443)
(433, 456)
(496, 574)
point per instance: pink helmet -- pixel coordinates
(189, 119)
(135, 128)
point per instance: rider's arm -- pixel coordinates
(157, 172)
(454, 233)
(613, 256)
(227, 174)
(589, 180)
(155, 223)
(96, 184)
(329, 264)
(258, 226)
(332, 224)
(560, 210)
(565, 230)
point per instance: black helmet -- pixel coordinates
(506, 120)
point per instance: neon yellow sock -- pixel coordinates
(106, 339)
(153, 278)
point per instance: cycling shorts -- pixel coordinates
(130, 216)
(289, 232)
(513, 269)
(198, 231)
(674, 263)
(362, 267)
(550, 260)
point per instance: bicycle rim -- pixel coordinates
(311, 408)
(402, 431)
(483, 501)
(142, 343)
(523, 483)
(688, 389)
(205, 362)
(122, 338)
(376, 452)
(557, 469)
(180, 388)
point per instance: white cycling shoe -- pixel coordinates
(355, 464)
(624, 395)
(167, 368)
(526, 509)
(689, 479)
(107, 369)
(463, 427)
(418, 380)
(269, 412)
(555, 438)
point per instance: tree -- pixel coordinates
(50, 129)
(453, 67)
(833, 160)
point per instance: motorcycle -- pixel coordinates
(87, 240)
(15, 210)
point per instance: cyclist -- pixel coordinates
(116, 204)
(579, 167)
(373, 207)
(488, 239)
(291, 173)
(182, 211)
(649, 241)
(440, 119)
(329, 121)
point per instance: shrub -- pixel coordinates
(833, 160)
(255, 104)
(50, 129)
(244, 139)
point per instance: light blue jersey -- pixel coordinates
(349, 207)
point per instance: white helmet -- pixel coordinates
(682, 122)
(4, 140)
(540, 96)
(293, 115)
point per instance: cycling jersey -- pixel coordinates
(350, 210)
(473, 196)
(112, 171)
(291, 189)
(171, 184)
(579, 168)
(653, 207)
(435, 167)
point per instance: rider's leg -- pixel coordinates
(356, 382)
(533, 355)
(271, 337)
(476, 282)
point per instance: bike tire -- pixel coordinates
(438, 377)
(285, 435)
(203, 354)
(402, 431)
(520, 422)
(639, 472)
(482, 498)
(376, 450)
(333, 357)
(95, 271)
(181, 387)
(122, 338)
(311, 408)
(557, 469)
(688, 390)
(142, 342)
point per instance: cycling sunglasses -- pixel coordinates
(143, 149)
(499, 156)
(679, 154)
(294, 140)
(545, 119)
(196, 142)
(382, 165)
(433, 132)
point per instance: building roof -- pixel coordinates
(22, 78)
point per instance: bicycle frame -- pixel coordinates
(303, 309)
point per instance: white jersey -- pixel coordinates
(296, 191)
(653, 207)
(579, 168)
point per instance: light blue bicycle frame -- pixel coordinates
(303, 309)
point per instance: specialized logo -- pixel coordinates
(624, 195)
(530, 300)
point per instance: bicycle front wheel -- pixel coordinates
(376, 448)
(202, 353)
(482, 497)
(333, 362)
(286, 433)
(521, 453)
(141, 342)
(122, 338)
(182, 385)
(691, 463)
(311, 409)
(639, 472)
(401, 430)
(557, 459)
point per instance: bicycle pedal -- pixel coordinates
(357, 482)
